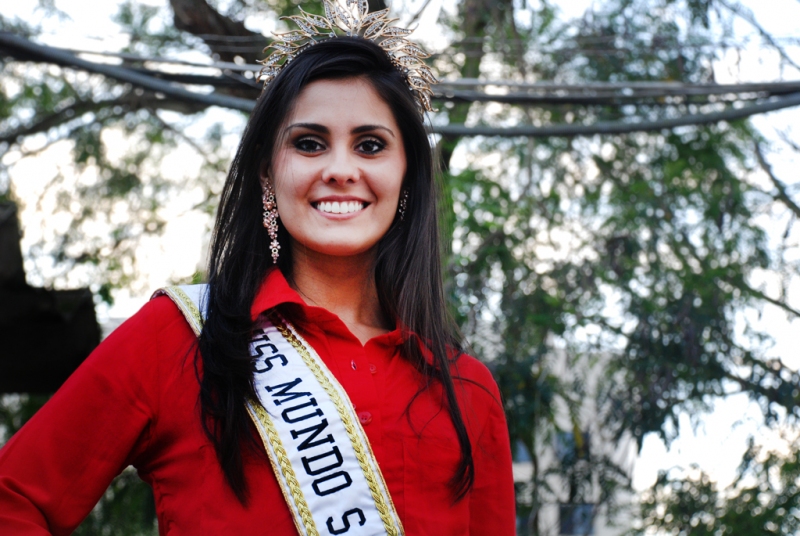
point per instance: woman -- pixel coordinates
(335, 164)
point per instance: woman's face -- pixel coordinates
(338, 170)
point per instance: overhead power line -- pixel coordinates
(24, 49)
(532, 92)
(618, 127)
(166, 83)
(221, 65)
(656, 88)
(543, 94)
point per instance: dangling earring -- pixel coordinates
(401, 209)
(271, 220)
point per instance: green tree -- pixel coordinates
(764, 499)
(548, 232)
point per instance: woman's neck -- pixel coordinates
(344, 286)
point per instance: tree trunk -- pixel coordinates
(199, 18)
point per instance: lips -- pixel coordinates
(339, 207)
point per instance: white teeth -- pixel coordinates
(343, 207)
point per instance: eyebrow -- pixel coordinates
(322, 129)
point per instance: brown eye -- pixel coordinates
(308, 145)
(371, 146)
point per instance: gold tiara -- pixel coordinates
(352, 18)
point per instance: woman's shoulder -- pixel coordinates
(474, 375)
(157, 317)
(145, 340)
(143, 357)
(469, 367)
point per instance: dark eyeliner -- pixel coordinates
(307, 139)
(379, 143)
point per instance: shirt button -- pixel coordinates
(353, 364)
(365, 417)
(373, 369)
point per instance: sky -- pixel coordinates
(714, 442)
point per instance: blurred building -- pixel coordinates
(582, 471)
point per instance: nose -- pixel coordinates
(341, 167)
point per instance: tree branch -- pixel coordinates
(788, 141)
(55, 119)
(739, 283)
(130, 101)
(748, 16)
(783, 195)
(758, 294)
(772, 394)
(182, 135)
(418, 14)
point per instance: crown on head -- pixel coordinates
(352, 18)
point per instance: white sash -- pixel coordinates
(313, 438)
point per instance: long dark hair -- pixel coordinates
(407, 266)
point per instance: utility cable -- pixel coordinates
(618, 127)
(26, 50)
(11, 43)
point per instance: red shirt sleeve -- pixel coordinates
(56, 468)
(492, 504)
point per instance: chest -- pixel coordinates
(410, 433)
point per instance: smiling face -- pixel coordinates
(338, 168)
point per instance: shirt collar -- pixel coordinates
(275, 290)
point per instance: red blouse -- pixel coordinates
(135, 401)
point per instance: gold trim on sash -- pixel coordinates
(292, 493)
(189, 309)
(357, 436)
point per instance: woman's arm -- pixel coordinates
(492, 506)
(56, 468)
